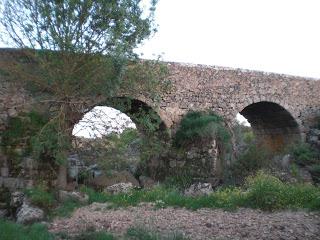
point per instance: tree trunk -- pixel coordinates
(62, 176)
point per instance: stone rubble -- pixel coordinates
(203, 224)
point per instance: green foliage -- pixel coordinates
(254, 158)
(315, 173)
(66, 208)
(10, 231)
(260, 191)
(181, 179)
(40, 196)
(197, 126)
(269, 193)
(303, 154)
(51, 142)
(21, 128)
(114, 150)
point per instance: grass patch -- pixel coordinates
(66, 208)
(13, 231)
(40, 196)
(260, 191)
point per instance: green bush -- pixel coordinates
(315, 173)
(66, 208)
(13, 231)
(249, 162)
(40, 196)
(261, 191)
(197, 126)
(303, 154)
(269, 193)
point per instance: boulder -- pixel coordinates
(3, 213)
(27, 214)
(103, 181)
(146, 182)
(75, 196)
(119, 188)
(286, 161)
(199, 189)
(17, 199)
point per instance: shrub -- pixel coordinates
(315, 173)
(269, 193)
(114, 149)
(66, 208)
(197, 126)
(260, 191)
(10, 231)
(249, 162)
(40, 196)
(303, 154)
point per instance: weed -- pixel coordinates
(10, 231)
(40, 196)
(260, 191)
(66, 208)
(303, 154)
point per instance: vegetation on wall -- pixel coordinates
(75, 54)
(200, 126)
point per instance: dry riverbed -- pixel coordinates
(200, 224)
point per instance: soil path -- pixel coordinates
(201, 224)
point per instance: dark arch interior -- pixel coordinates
(272, 124)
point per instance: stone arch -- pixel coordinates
(132, 107)
(274, 126)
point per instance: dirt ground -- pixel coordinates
(200, 224)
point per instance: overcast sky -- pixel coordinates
(271, 35)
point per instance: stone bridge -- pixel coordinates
(279, 107)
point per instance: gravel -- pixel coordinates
(201, 224)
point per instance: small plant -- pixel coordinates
(66, 208)
(315, 173)
(249, 162)
(303, 154)
(40, 196)
(10, 231)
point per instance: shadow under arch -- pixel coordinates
(272, 124)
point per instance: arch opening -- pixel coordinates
(114, 137)
(273, 126)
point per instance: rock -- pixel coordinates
(103, 181)
(75, 165)
(17, 199)
(76, 196)
(4, 213)
(285, 161)
(12, 112)
(119, 188)
(199, 189)
(4, 172)
(146, 182)
(28, 214)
